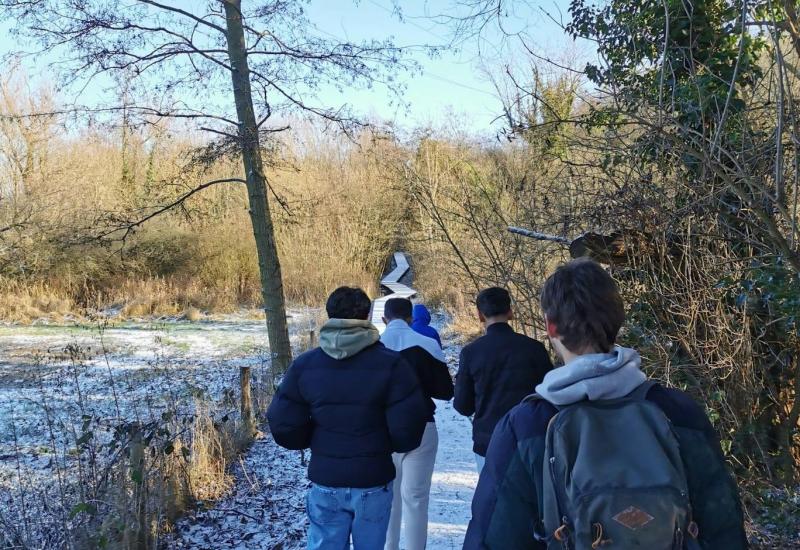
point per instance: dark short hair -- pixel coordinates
(348, 303)
(397, 308)
(584, 304)
(493, 301)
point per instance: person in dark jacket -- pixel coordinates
(583, 313)
(497, 370)
(412, 486)
(421, 322)
(353, 402)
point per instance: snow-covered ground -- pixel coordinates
(135, 370)
(128, 371)
(454, 481)
(64, 389)
(266, 508)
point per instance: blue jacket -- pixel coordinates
(352, 412)
(422, 323)
(508, 498)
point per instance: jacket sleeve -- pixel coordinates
(464, 401)
(505, 508)
(406, 408)
(716, 507)
(441, 382)
(544, 362)
(433, 375)
(437, 337)
(289, 415)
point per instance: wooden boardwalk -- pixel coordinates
(398, 289)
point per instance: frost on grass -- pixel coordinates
(70, 398)
(266, 509)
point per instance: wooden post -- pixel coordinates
(138, 476)
(247, 401)
(312, 339)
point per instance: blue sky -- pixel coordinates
(455, 83)
(452, 86)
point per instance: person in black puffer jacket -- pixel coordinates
(353, 402)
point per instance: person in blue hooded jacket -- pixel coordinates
(421, 322)
(583, 313)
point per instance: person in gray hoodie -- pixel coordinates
(583, 315)
(353, 402)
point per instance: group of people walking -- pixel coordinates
(589, 454)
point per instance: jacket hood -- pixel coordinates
(421, 314)
(399, 336)
(595, 377)
(342, 338)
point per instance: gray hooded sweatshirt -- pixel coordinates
(595, 376)
(342, 338)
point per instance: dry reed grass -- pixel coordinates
(212, 449)
(24, 303)
(341, 217)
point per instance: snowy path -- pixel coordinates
(454, 481)
(266, 507)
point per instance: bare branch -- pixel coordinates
(130, 227)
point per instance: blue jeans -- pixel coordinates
(337, 513)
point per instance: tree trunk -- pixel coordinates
(268, 263)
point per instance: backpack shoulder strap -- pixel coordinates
(641, 391)
(534, 397)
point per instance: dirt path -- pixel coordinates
(266, 508)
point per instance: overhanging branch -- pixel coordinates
(539, 236)
(131, 226)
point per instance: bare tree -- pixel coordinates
(178, 60)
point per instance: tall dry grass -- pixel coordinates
(338, 215)
(21, 302)
(114, 480)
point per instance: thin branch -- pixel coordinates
(184, 13)
(130, 227)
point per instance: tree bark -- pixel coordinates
(260, 216)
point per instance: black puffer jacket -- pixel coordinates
(352, 412)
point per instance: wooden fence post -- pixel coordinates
(247, 401)
(312, 339)
(139, 478)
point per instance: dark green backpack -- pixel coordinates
(613, 478)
